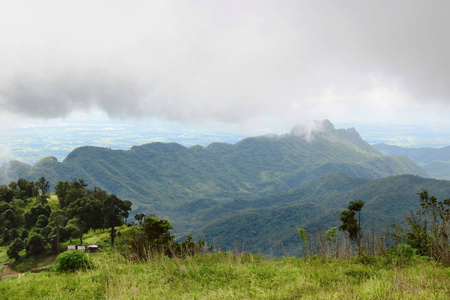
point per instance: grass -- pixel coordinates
(229, 276)
(3, 257)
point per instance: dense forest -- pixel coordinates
(30, 219)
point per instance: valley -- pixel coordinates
(275, 183)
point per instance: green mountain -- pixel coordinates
(436, 161)
(163, 178)
(269, 224)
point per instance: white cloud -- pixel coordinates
(239, 62)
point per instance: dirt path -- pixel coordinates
(10, 274)
(7, 271)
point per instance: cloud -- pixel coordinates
(235, 62)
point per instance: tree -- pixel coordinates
(139, 218)
(157, 232)
(70, 192)
(10, 216)
(44, 186)
(58, 220)
(33, 214)
(305, 236)
(16, 246)
(35, 244)
(5, 236)
(114, 212)
(6, 195)
(331, 236)
(351, 224)
(61, 190)
(429, 228)
(153, 237)
(23, 234)
(75, 228)
(41, 221)
(86, 211)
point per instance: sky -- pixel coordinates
(244, 64)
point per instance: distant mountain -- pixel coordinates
(269, 224)
(160, 178)
(436, 161)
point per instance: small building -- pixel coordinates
(71, 248)
(92, 249)
(81, 248)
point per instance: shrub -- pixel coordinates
(72, 261)
(401, 254)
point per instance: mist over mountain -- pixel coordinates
(435, 161)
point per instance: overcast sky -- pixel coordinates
(245, 63)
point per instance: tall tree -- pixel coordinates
(43, 185)
(351, 224)
(114, 212)
(58, 220)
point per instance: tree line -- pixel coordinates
(427, 233)
(40, 229)
(28, 221)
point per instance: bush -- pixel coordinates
(72, 261)
(401, 254)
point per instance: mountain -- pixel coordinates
(269, 224)
(435, 161)
(160, 178)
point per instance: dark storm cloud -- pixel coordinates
(225, 60)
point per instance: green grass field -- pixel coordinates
(229, 276)
(3, 257)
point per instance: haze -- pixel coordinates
(242, 64)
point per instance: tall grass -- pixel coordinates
(237, 276)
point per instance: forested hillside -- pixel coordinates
(269, 224)
(435, 161)
(158, 178)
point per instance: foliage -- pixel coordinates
(154, 238)
(114, 211)
(305, 237)
(351, 224)
(429, 228)
(35, 244)
(331, 237)
(33, 214)
(72, 261)
(41, 229)
(401, 254)
(269, 224)
(15, 247)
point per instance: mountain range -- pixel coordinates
(204, 190)
(435, 161)
(269, 224)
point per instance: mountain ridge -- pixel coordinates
(159, 177)
(269, 224)
(435, 161)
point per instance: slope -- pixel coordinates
(269, 224)
(159, 177)
(435, 161)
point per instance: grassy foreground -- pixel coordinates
(229, 276)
